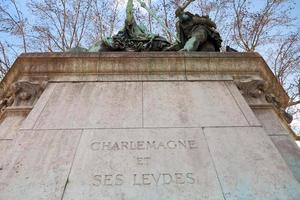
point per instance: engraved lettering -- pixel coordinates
(171, 144)
(119, 179)
(161, 145)
(97, 179)
(115, 147)
(190, 178)
(124, 145)
(156, 179)
(167, 178)
(139, 160)
(135, 182)
(95, 146)
(143, 160)
(179, 178)
(146, 179)
(108, 180)
(132, 145)
(192, 144)
(140, 145)
(182, 143)
(150, 145)
(106, 146)
(144, 145)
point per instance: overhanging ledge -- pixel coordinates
(185, 64)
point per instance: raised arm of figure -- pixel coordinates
(181, 9)
(129, 12)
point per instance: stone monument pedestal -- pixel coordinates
(133, 126)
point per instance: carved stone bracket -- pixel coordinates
(271, 98)
(254, 88)
(6, 102)
(25, 93)
(22, 94)
(258, 88)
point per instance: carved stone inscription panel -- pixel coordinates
(123, 164)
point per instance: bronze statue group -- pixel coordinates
(194, 33)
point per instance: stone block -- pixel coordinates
(270, 121)
(194, 76)
(39, 166)
(249, 166)
(248, 113)
(290, 153)
(5, 146)
(9, 126)
(125, 164)
(31, 119)
(93, 105)
(190, 104)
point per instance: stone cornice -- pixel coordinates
(13, 111)
(236, 65)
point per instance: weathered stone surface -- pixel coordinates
(290, 153)
(171, 76)
(31, 119)
(93, 105)
(53, 65)
(129, 168)
(167, 97)
(190, 104)
(39, 166)
(165, 104)
(270, 121)
(205, 76)
(5, 146)
(217, 62)
(248, 113)
(9, 126)
(107, 63)
(249, 165)
(25, 93)
(252, 88)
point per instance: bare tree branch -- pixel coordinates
(256, 27)
(13, 22)
(62, 23)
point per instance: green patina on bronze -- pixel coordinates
(133, 37)
(195, 33)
